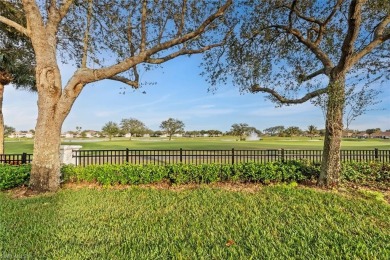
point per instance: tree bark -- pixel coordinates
(1, 119)
(330, 166)
(45, 172)
(5, 79)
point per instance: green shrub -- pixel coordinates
(289, 171)
(12, 176)
(364, 173)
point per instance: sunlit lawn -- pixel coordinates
(275, 222)
(226, 142)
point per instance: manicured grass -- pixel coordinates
(275, 222)
(225, 142)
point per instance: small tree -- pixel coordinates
(241, 130)
(8, 130)
(172, 126)
(312, 131)
(275, 130)
(292, 131)
(111, 129)
(133, 126)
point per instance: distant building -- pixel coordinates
(382, 135)
(22, 134)
(68, 134)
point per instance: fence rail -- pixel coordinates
(160, 157)
(16, 159)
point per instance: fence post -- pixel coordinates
(181, 155)
(376, 154)
(127, 155)
(282, 154)
(232, 155)
(24, 158)
(66, 154)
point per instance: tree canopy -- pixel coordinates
(172, 126)
(133, 126)
(105, 40)
(17, 60)
(296, 50)
(111, 129)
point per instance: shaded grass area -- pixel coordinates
(216, 143)
(275, 222)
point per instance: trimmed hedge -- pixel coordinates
(190, 173)
(373, 173)
(290, 171)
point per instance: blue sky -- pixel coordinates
(180, 92)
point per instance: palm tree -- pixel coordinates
(16, 58)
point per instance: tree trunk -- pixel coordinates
(330, 166)
(1, 119)
(45, 172)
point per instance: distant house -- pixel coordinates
(362, 135)
(68, 134)
(22, 134)
(90, 134)
(382, 135)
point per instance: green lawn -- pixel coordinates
(275, 222)
(227, 142)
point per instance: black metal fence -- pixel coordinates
(16, 159)
(160, 157)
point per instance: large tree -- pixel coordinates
(17, 59)
(133, 126)
(296, 50)
(172, 126)
(105, 40)
(241, 130)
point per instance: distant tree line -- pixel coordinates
(131, 127)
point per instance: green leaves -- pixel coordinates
(370, 174)
(13, 176)
(191, 173)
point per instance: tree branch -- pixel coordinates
(143, 26)
(303, 78)
(256, 88)
(182, 18)
(84, 76)
(183, 52)
(193, 34)
(132, 83)
(86, 35)
(354, 22)
(327, 20)
(379, 38)
(64, 8)
(292, 10)
(15, 25)
(312, 47)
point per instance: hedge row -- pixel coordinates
(189, 173)
(291, 171)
